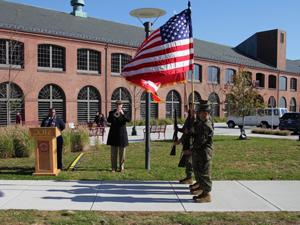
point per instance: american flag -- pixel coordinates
(166, 55)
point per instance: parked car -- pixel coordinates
(265, 118)
(290, 121)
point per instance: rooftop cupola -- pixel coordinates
(78, 8)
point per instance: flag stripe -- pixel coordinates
(162, 52)
(165, 46)
(158, 57)
(161, 62)
(166, 67)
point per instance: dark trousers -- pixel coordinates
(202, 168)
(60, 142)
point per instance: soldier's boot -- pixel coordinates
(193, 186)
(203, 197)
(186, 180)
(196, 191)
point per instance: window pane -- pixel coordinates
(82, 63)
(58, 57)
(3, 52)
(213, 75)
(16, 53)
(115, 63)
(125, 59)
(282, 83)
(272, 81)
(44, 56)
(229, 76)
(94, 61)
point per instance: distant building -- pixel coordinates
(72, 62)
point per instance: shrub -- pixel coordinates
(66, 134)
(15, 142)
(269, 131)
(6, 143)
(23, 144)
(79, 139)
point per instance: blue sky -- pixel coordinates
(227, 22)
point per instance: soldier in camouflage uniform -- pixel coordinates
(186, 146)
(202, 155)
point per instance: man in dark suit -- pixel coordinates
(117, 136)
(53, 121)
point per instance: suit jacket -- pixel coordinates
(117, 135)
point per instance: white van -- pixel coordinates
(264, 118)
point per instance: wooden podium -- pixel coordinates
(46, 150)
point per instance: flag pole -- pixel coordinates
(192, 73)
(147, 26)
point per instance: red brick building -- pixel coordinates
(72, 63)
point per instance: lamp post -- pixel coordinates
(147, 13)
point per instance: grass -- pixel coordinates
(22, 217)
(253, 159)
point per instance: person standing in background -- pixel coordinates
(117, 136)
(19, 118)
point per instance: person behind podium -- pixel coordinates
(117, 136)
(53, 121)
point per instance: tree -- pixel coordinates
(243, 97)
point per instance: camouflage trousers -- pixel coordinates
(201, 161)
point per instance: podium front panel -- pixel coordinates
(43, 148)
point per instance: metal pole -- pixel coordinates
(147, 26)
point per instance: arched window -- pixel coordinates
(88, 104)
(51, 96)
(272, 82)
(293, 85)
(118, 61)
(215, 104)
(88, 61)
(173, 102)
(153, 107)
(282, 102)
(122, 94)
(11, 53)
(293, 105)
(197, 73)
(229, 73)
(260, 80)
(282, 83)
(213, 75)
(11, 102)
(272, 102)
(197, 99)
(51, 57)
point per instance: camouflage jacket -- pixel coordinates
(202, 134)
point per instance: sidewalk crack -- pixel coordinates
(249, 189)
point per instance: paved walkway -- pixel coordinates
(148, 196)
(220, 129)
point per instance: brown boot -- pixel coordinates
(193, 186)
(186, 181)
(196, 191)
(202, 198)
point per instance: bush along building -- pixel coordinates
(73, 63)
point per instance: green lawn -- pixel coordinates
(114, 218)
(253, 159)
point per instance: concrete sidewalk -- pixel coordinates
(148, 196)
